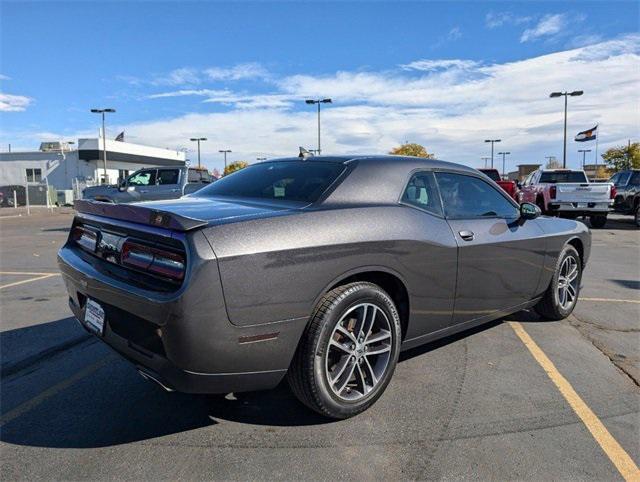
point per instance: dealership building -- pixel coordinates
(63, 165)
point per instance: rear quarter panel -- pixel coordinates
(277, 268)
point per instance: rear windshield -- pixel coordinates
(491, 174)
(303, 181)
(563, 176)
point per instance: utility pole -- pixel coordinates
(566, 95)
(492, 141)
(584, 154)
(318, 102)
(198, 139)
(104, 140)
(503, 154)
(225, 151)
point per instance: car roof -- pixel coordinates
(377, 179)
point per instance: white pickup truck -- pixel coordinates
(569, 193)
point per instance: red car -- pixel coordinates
(510, 187)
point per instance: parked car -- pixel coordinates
(568, 193)
(7, 197)
(627, 200)
(156, 183)
(319, 270)
(510, 187)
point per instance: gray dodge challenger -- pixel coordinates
(320, 270)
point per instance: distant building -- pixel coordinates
(596, 172)
(523, 171)
(63, 165)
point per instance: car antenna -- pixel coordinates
(304, 154)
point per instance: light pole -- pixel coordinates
(584, 154)
(503, 154)
(198, 139)
(104, 139)
(225, 151)
(318, 101)
(565, 94)
(493, 141)
(485, 159)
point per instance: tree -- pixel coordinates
(553, 163)
(411, 149)
(235, 166)
(623, 157)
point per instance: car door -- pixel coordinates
(631, 190)
(430, 262)
(139, 185)
(500, 256)
(168, 185)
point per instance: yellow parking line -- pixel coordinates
(621, 459)
(610, 300)
(16, 283)
(24, 273)
(51, 391)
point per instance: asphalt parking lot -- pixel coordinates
(517, 399)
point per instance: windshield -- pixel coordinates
(563, 176)
(302, 181)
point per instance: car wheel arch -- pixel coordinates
(392, 282)
(577, 243)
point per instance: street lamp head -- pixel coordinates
(96, 111)
(326, 101)
(311, 101)
(556, 94)
(576, 92)
(109, 110)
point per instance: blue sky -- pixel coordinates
(445, 74)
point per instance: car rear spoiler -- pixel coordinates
(139, 214)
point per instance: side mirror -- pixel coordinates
(519, 184)
(529, 211)
(122, 186)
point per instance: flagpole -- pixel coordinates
(597, 137)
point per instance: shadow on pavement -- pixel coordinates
(114, 406)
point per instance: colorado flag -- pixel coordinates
(588, 135)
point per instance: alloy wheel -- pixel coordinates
(359, 351)
(568, 283)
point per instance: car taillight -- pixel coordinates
(154, 260)
(552, 192)
(85, 238)
(614, 191)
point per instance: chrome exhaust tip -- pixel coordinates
(148, 376)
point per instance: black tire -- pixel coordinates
(308, 377)
(549, 306)
(598, 221)
(636, 215)
(540, 204)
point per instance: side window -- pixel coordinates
(623, 179)
(168, 176)
(471, 197)
(421, 191)
(635, 179)
(143, 178)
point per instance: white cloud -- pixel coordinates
(428, 65)
(182, 76)
(549, 25)
(14, 103)
(250, 70)
(4, 77)
(498, 19)
(448, 105)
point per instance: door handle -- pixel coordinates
(175, 190)
(466, 235)
(142, 191)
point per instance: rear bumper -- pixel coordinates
(581, 208)
(159, 369)
(183, 340)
